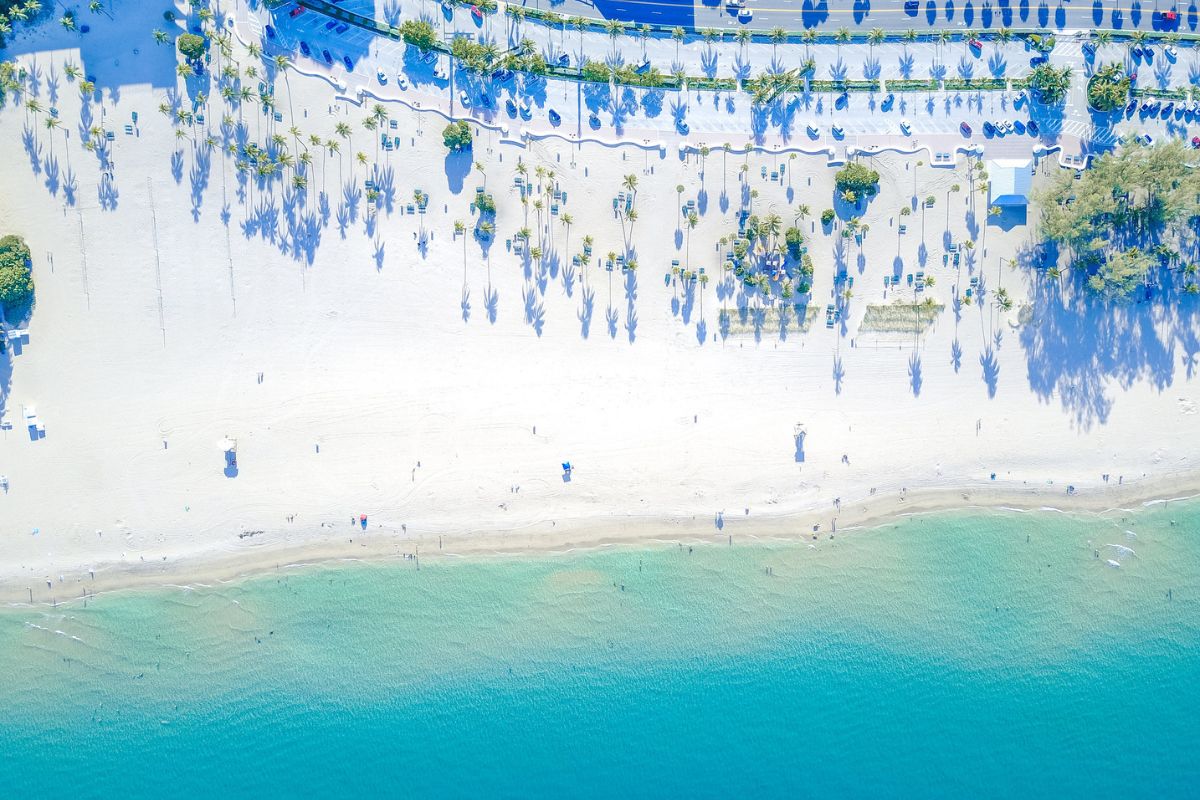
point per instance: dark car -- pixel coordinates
(564, 60)
(304, 48)
(349, 64)
(295, 12)
(270, 32)
(342, 28)
(554, 117)
(328, 58)
(912, 6)
(1032, 127)
(331, 24)
(502, 75)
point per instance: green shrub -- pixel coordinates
(16, 277)
(827, 216)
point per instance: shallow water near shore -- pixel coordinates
(1000, 654)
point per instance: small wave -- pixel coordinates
(1122, 549)
(1114, 564)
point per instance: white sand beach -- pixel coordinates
(438, 390)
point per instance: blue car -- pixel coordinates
(349, 64)
(328, 58)
(564, 60)
(502, 75)
(594, 120)
(331, 24)
(510, 107)
(304, 49)
(342, 28)
(1032, 127)
(682, 127)
(270, 32)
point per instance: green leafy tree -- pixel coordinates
(16, 277)
(457, 136)
(191, 46)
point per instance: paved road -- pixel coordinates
(890, 14)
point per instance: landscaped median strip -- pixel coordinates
(764, 87)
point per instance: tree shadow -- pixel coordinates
(587, 307)
(1077, 343)
(914, 373)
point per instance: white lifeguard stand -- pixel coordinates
(229, 447)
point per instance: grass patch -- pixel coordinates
(900, 317)
(770, 320)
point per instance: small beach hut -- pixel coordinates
(1009, 181)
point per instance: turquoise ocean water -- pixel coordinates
(982, 655)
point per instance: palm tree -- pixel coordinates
(842, 36)
(68, 21)
(567, 221)
(644, 33)
(743, 38)
(778, 36)
(614, 28)
(876, 36)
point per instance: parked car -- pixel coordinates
(381, 77)
(837, 131)
(510, 107)
(912, 6)
(745, 14)
(554, 117)
(295, 12)
(328, 58)
(813, 131)
(906, 127)
(682, 127)
(270, 32)
(331, 24)
(502, 75)
(476, 13)
(349, 63)
(1032, 127)
(305, 49)
(594, 120)
(341, 29)
(564, 60)
(1196, 142)
(965, 128)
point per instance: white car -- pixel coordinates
(732, 4)
(464, 98)
(814, 131)
(745, 14)
(906, 127)
(382, 78)
(401, 83)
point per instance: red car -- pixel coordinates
(295, 12)
(965, 128)
(1196, 142)
(476, 13)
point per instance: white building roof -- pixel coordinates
(1009, 180)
